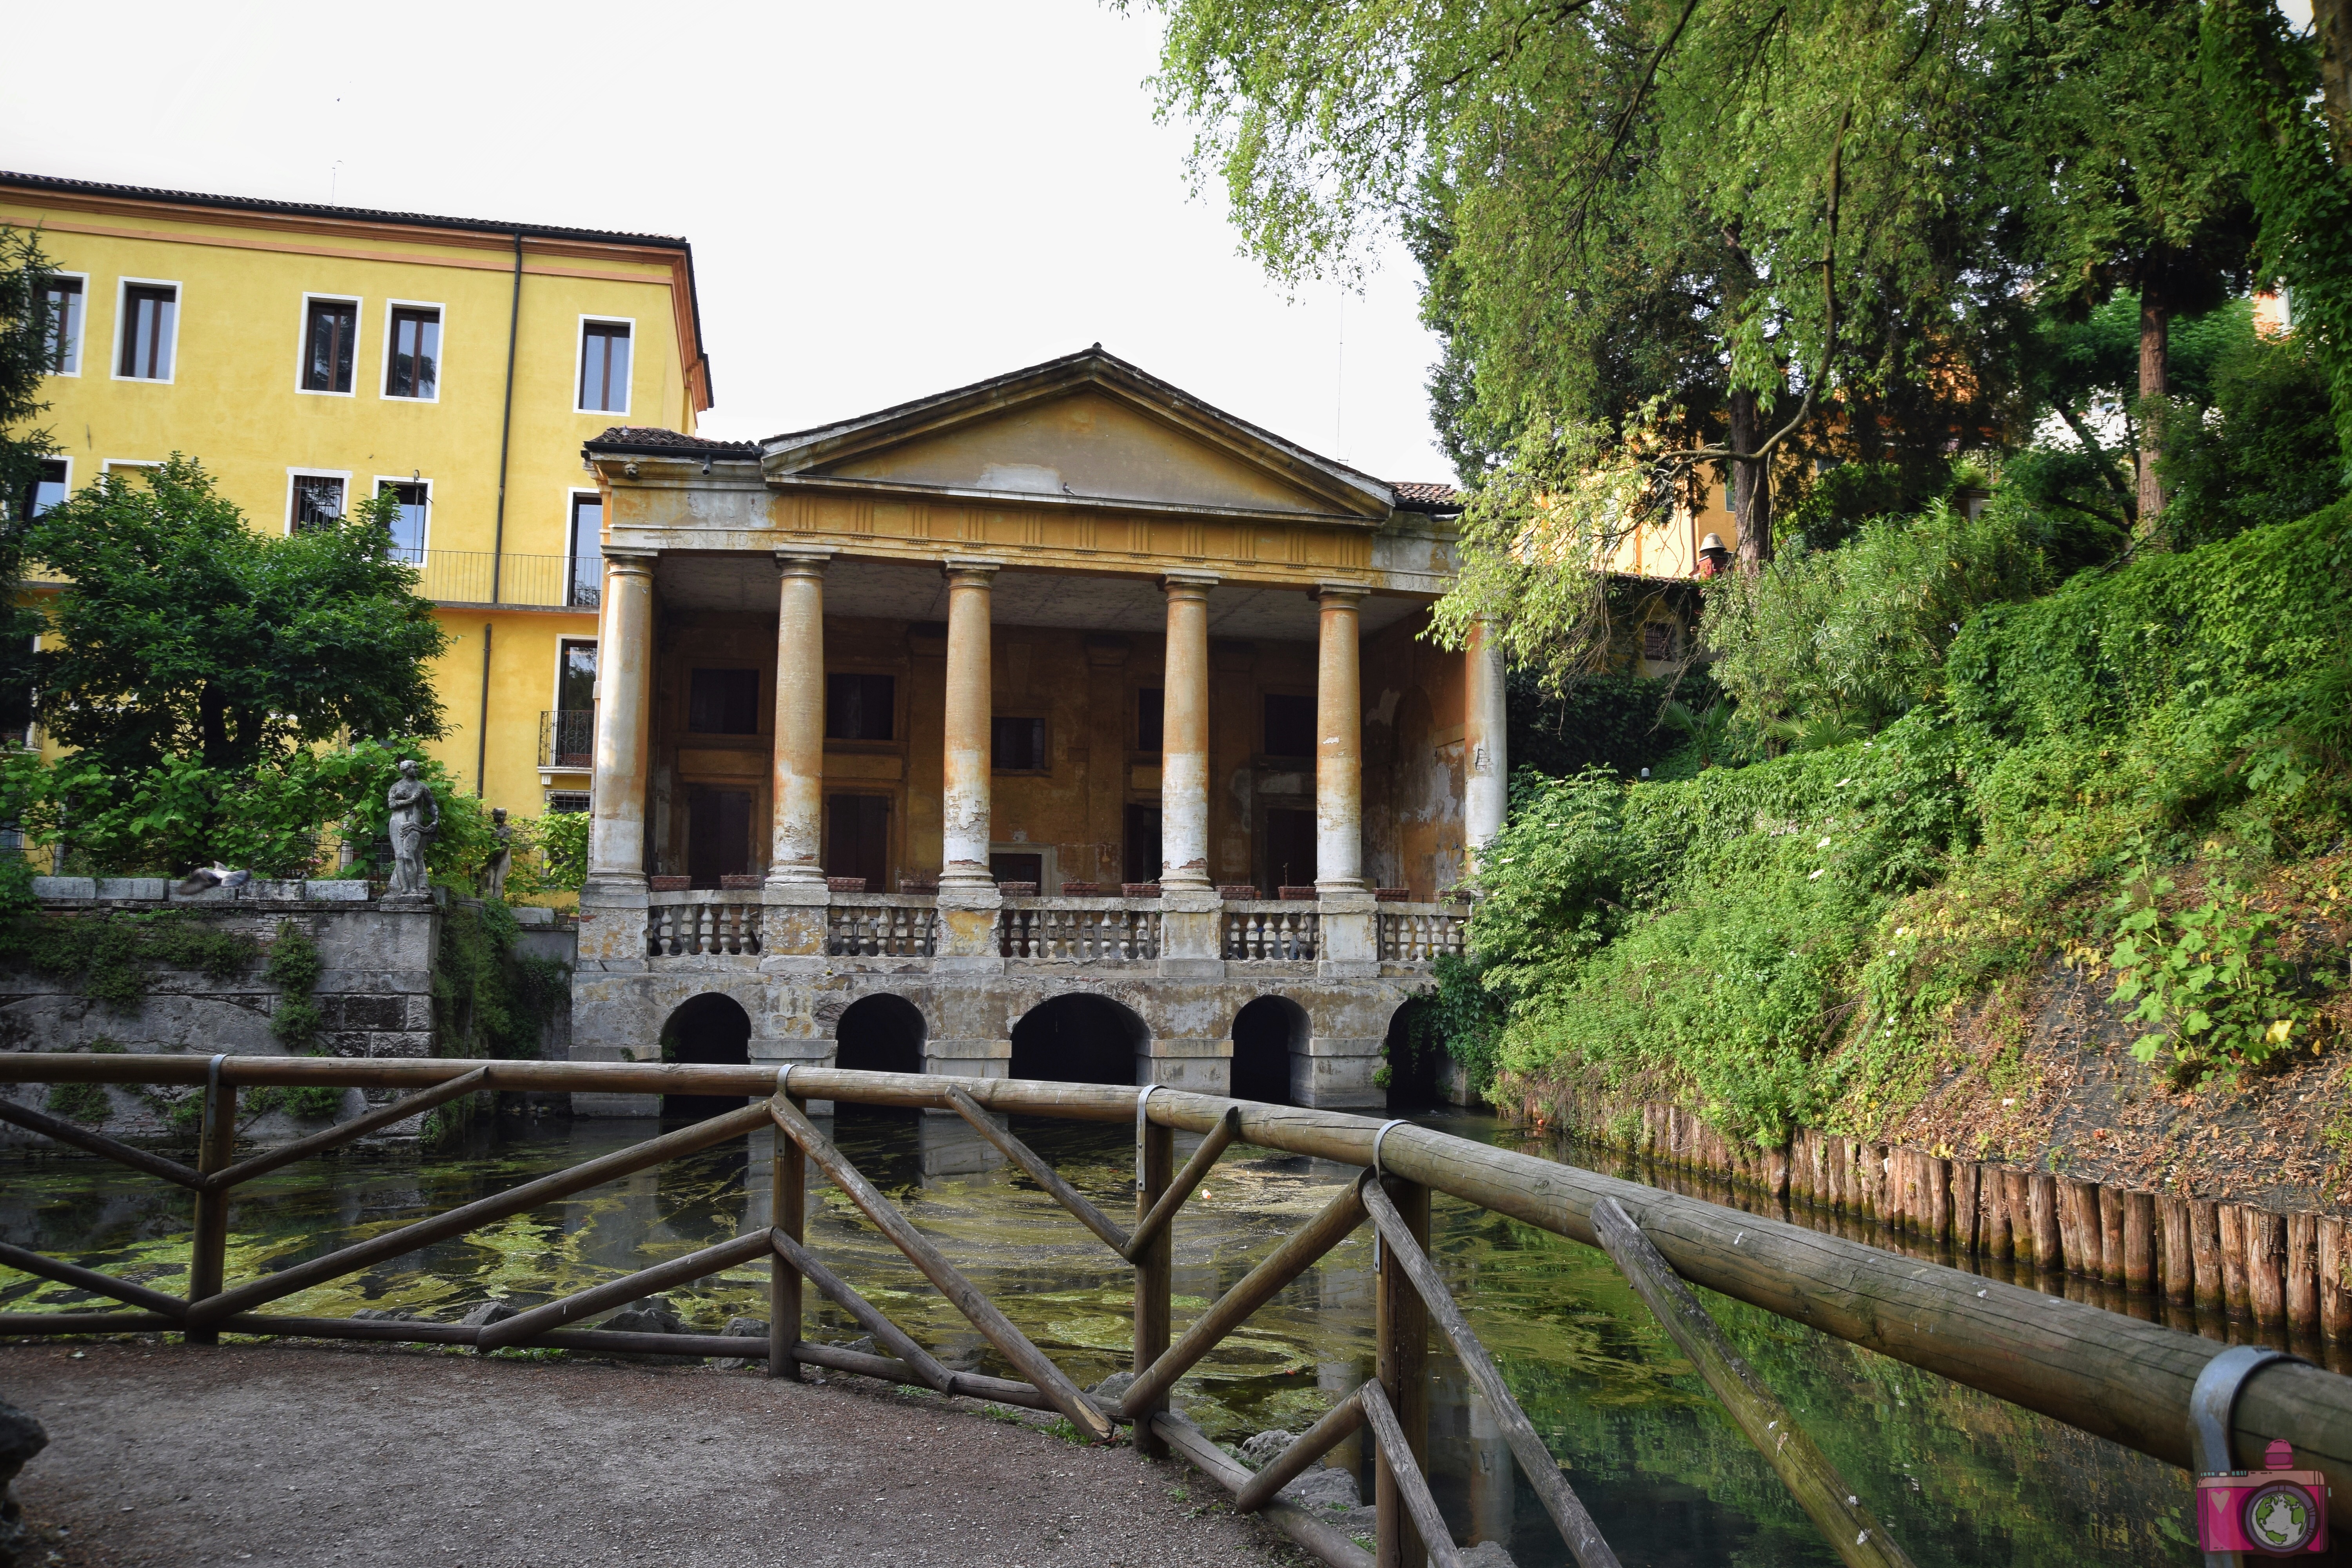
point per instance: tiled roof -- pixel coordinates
(653, 439)
(1419, 495)
(314, 209)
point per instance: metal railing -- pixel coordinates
(567, 738)
(2126, 1379)
(491, 577)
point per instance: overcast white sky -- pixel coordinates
(884, 201)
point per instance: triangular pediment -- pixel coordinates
(1089, 429)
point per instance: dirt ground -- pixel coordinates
(348, 1455)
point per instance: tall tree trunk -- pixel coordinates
(2333, 20)
(2155, 320)
(1751, 485)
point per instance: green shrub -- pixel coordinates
(80, 1102)
(2212, 976)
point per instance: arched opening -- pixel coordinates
(1414, 1050)
(1079, 1039)
(708, 1030)
(1266, 1035)
(880, 1034)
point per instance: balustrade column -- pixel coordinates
(1184, 739)
(1339, 746)
(795, 854)
(1485, 742)
(624, 671)
(964, 794)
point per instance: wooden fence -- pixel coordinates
(2119, 1377)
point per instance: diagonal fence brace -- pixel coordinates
(345, 1131)
(1853, 1530)
(476, 1214)
(869, 1316)
(1295, 1257)
(82, 1138)
(581, 1304)
(1043, 1174)
(1388, 1433)
(1559, 1499)
(967, 1299)
(1196, 1171)
(1339, 1423)
(91, 1280)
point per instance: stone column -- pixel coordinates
(1485, 743)
(1184, 739)
(795, 856)
(1339, 746)
(964, 791)
(968, 896)
(625, 685)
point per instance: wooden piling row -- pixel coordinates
(2288, 1270)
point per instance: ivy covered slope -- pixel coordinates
(2132, 788)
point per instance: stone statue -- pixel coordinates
(494, 874)
(415, 818)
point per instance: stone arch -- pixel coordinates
(1079, 1037)
(710, 1029)
(1270, 1035)
(1415, 1055)
(881, 1032)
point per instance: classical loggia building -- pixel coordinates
(1060, 725)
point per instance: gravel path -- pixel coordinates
(329, 1456)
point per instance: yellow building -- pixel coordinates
(309, 356)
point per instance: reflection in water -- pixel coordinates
(1959, 1477)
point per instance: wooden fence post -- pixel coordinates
(2078, 1225)
(2303, 1273)
(1967, 1206)
(2113, 1237)
(2041, 1205)
(787, 1212)
(2237, 1300)
(208, 1245)
(2205, 1254)
(2335, 1300)
(2266, 1265)
(1155, 1271)
(1403, 1371)
(2180, 1269)
(2139, 1241)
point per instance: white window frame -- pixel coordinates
(122, 287)
(302, 344)
(555, 679)
(111, 464)
(67, 459)
(570, 506)
(580, 362)
(423, 547)
(383, 371)
(293, 474)
(81, 334)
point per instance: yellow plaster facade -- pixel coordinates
(244, 278)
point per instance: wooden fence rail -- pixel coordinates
(2117, 1377)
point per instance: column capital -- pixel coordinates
(981, 566)
(1341, 593)
(631, 560)
(806, 560)
(1188, 582)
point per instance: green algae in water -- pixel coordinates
(1957, 1477)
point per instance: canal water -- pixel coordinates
(1959, 1477)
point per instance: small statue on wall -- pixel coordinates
(415, 818)
(494, 874)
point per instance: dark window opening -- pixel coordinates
(317, 502)
(878, 1034)
(148, 313)
(574, 801)
(330, 336)
(47, 489)
(604, 367)
(723, 702)
(408, 528)
(1658, 639)
(857, 838)
(575, 680)
(1150, 718)
(1029, 868)
(1289, 851)
(64, 296)
(413, 369)
(1289, 725)
(718, 833)
(587, 552)
(1020, 745)
(1413, 1048)
(858, 707)
(1142, 846)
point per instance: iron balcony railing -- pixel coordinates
(567, 739)
(490, 577)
